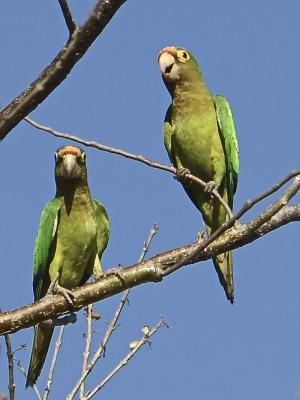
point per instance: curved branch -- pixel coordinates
(131, 156)
(151, 270)
(60, 67)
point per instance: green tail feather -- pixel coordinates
(224, 267)
(41, 343)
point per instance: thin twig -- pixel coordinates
(251, 203)
(88, 341)
(53, 363)
(67, 16)
(274, 208)
(147, 242)
(124, 361)
(23, 372)
(131, 156)
(112, 326)
(10, 359)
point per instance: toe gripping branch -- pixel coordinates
(210, 187)
(181, 174)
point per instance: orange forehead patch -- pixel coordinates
(170, 50)
(70, 150)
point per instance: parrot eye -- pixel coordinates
(83, 157)
(55, 156)
(183, 56)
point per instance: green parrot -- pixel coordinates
(72, 235)
(199, 136)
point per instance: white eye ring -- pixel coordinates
(55, 156)
(83, 156)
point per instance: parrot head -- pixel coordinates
(177, 65)
(70, 163)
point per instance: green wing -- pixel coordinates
(44, 247)
(168, 131)
(230, 143)
(102, 224)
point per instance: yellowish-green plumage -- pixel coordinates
(73, 233)
(199, 135)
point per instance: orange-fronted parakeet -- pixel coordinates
(72, 235)
(199, 135)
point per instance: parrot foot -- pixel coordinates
(68, 295)
(210, 187)
(181, 173)
(55, 288)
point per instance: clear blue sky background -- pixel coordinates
(248, 51)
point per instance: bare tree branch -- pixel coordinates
(53, 363)
(53, 75)
(86, 354)
(10, 359)
(151, 270)
(131, 156)
(112, 326)
(122, 363)
(67, 16)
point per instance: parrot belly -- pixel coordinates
(197, 146)
(76, 246)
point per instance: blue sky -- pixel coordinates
(248, 51)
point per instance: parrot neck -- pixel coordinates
(190, 95)
(72, 191)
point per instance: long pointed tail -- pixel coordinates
(40, 346)
(224, 267)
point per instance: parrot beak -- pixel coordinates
(167, 63)
(70, 166)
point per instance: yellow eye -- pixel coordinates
(183, 56)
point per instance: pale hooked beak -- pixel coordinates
(167, 64)
(70, 166)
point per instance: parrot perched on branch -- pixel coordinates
(72, 235)
(199, 136)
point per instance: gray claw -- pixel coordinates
(210, 187)
(181, 173)
(55, 288)
(68, 295)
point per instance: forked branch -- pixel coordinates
(157, 267)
